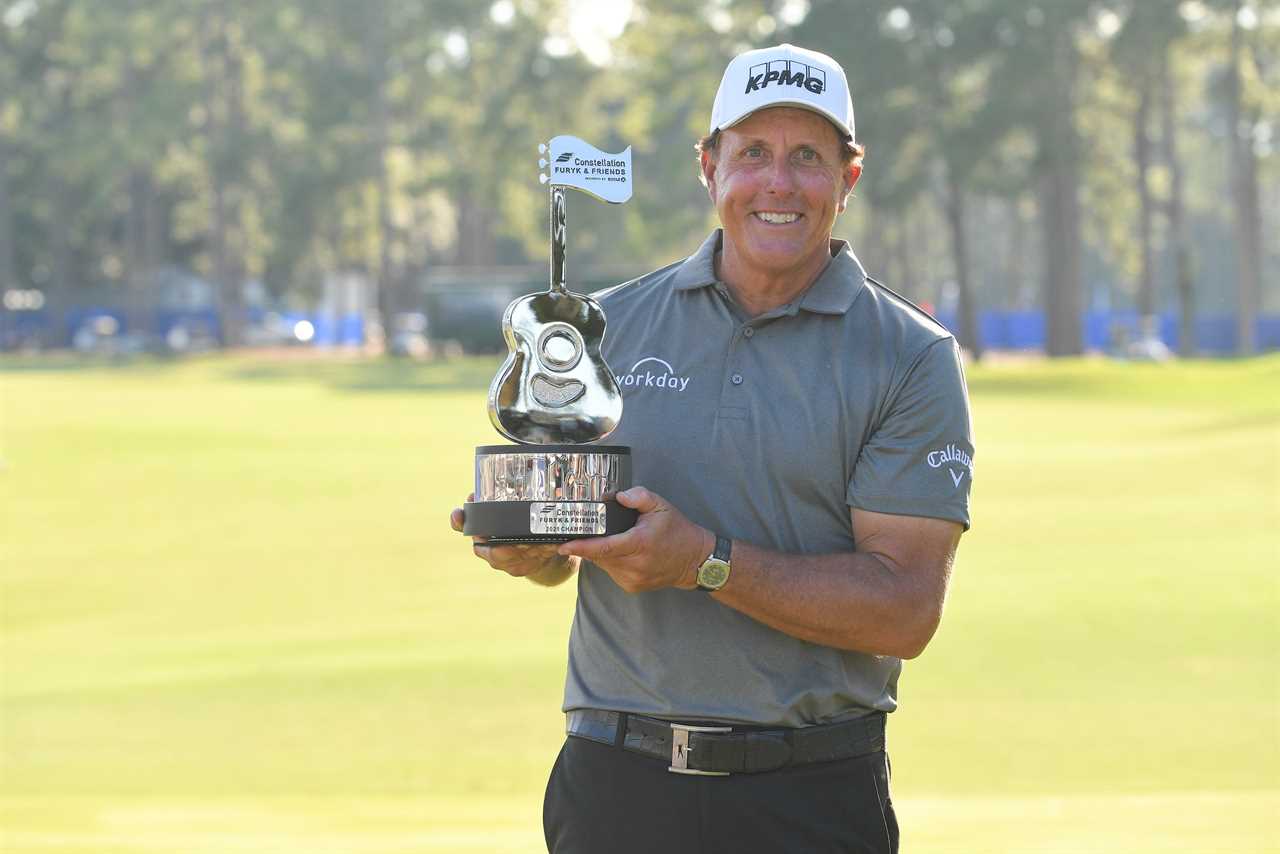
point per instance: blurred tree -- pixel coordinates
(62, 97)
(11, 81)
(1035, 74)
(139, 46)
(379, 57)
(660, 100)
(1176, 207)
(1141, 51)
(928, 94)
(311, 141)
(291, 140)
(948, 59)
(1242, 114)
(222, 56)
(883, 53)
(1137, 49)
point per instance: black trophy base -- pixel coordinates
(513, 521)
(553, 484)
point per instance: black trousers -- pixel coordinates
(605, 800)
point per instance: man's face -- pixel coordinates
(778, 181)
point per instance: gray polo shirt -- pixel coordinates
(767, 430)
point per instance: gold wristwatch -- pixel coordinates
(714, 572)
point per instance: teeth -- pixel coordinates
(778, 218)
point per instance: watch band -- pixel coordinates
(724, 546)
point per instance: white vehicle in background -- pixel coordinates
(409, 336)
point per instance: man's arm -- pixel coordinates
(884, 598)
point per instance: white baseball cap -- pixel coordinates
(783, 76)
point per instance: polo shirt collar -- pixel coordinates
(699, 269)
(832, 293)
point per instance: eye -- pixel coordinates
(753, 152)
(808, 155)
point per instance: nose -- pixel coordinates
(782, 178)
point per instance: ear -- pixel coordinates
(708, 164)
(851, 174)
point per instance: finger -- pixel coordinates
(541, 551)
(506, 554)
(599, 548)
(500, 560)
(641, 499)
(520, 558)
(459, 516)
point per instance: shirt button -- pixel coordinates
(749, 331)
(736, 379)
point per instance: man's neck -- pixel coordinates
(760, 291)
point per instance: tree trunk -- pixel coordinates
(1060, 205)
(475, 232)
(906, 269)
(237, 138)
(154, 229)
(1142, 160)
(1177, 212)
(1016, 263)
(213, 159)
(137, 188)
(59, 296)
(955, 210)
(872, 250)
(8, 271)
(1242, 170)
(1251, 232)
(387, 298)
(137, 264)
(223, 114)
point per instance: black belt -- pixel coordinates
(721, 750)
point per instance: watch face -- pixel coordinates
(714, 573)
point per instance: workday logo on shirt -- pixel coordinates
(652, 372)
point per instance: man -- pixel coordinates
(802, 449)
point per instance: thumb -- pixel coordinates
(640, 499)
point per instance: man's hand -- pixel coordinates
(539, 563)
(664, 549)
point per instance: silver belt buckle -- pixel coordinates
(680, 749)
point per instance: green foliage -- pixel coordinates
(277, 105)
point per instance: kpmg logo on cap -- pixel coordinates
(784, 72)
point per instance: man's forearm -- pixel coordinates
(851, 600)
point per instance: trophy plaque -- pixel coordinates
(554, 395)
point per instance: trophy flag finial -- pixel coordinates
(584, 167)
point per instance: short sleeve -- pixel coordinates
(919, 460)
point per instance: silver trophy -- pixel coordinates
(554, 394)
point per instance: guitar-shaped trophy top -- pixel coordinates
(554, 387)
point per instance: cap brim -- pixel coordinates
(804, 105)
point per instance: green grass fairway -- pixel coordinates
(234, 618)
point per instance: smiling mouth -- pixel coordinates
(776, 218)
